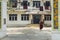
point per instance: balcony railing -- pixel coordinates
(21, 8)
(29, 9)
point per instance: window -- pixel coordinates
(21, 3)
(13, 17)
(47, 17)
(28, 3)
(13, 3)
(47, 4)
(36, 4)
(41, 8)
(25, 6)
(24, 17)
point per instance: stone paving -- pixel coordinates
(27, 34)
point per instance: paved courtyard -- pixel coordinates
(28, 33)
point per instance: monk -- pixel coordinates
(41, 22)
(41, 25)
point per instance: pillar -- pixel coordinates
(18, 4)
(3, 18)
(42, 15)
(31, 18)
(31, 4)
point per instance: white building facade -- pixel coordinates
(24, 12)
(55, 33)
(3, 16)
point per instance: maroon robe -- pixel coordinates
(41, 25)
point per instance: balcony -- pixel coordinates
(21, 8)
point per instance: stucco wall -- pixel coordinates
(47, 23)
(19, 22)
(3, 16)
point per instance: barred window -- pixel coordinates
(12, 17)
(47, 17)
(28, 3)
(36, 4)
(24, 17)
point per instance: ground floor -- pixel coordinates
(23, 19)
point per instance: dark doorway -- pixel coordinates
(36, 18)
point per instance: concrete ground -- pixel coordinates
(28, 33)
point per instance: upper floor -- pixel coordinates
(39, 5)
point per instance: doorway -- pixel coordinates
(36, 18)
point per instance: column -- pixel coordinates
(18, 4)
(3, 16)
(31, 4)
(42, 15)
(52, 14)
(31, 18)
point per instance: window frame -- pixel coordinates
(13, 3)
(47, 6)
(28, 3)
(35, 4)
(25, 17)
(12, 17)
(47, 17)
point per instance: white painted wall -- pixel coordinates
(18, 22)
(47, 22)
(3, 13)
